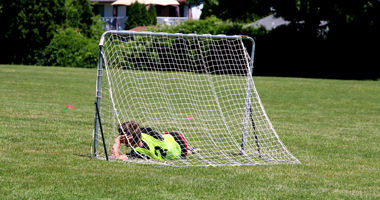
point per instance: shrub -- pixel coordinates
(212, 25)
(70, 48)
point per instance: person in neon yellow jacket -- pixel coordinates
(148, 144)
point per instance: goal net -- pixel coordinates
(199, 86)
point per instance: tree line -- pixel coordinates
(30, 28)
(325, 38)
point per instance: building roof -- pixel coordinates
(270, 22)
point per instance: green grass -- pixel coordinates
(331, 126)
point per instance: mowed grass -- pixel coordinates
(331, 126)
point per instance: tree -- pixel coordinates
(348, 32)
(152, 14)
(241, 11)
(209, 6)
(79, 15)
(139, 16)
(28, 26)
(341, 16)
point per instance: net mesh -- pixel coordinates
(197, 85)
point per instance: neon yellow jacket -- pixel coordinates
(159, 150)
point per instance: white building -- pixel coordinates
(115, 15)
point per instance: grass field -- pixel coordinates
(331, 126)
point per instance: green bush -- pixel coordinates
(212, 25)
(70, 48)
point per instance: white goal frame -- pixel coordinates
(249, 123)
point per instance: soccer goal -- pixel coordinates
(200, 86)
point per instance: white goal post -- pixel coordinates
(200, 86)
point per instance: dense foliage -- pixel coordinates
(76, 43)
(79, 14)
(70, 48)
(49, 32)
(340, 16)
(138, 15)
(152, 13)
(241, 11)
(328, 38)
(214, 26)
(27, 27)
(333, 38)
